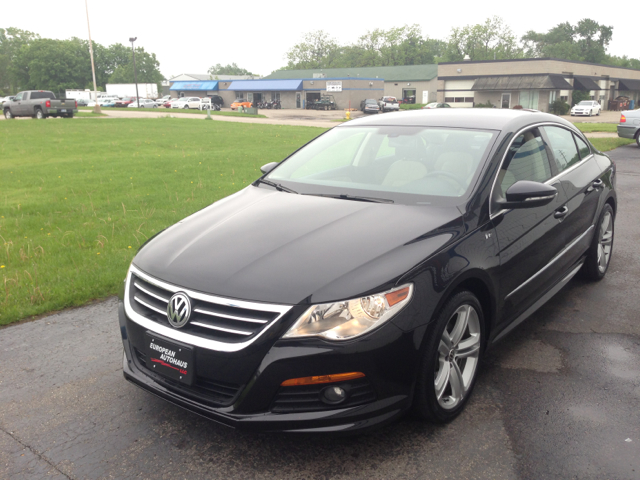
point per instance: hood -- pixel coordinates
(277, 247)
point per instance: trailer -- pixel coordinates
(78, 94)
(145, 90)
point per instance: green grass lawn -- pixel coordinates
(596, 127)
(88, 114)
(78, 198)
(606, 144)
(169, 111)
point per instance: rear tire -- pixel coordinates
(449, 364)
(39, 114)
(599, 254)
(638, 138)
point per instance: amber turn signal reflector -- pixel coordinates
(336, 377)
(397, 296)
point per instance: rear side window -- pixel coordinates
(40, 95)
(584, 149)
(563, 146)
(527, 159)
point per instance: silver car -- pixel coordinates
(144, 103)
(629, 126)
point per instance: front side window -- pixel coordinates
(527, 159)
(563, 146)
(404, 164)
(19, 97)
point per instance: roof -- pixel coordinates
(207, 76)
(629, 84)
(585, 83)
(401, 73)
(195, 86)
(522, 82)
(265, 85)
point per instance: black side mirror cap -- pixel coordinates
(268, 167)
(527, 194)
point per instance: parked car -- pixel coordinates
(6, 99)
(216, 100)
(82, 102)
(369, 271)
(239, 102)
(586, 107)
(370, 105)
(125, 102)
(39, 104)
(109, 103)
(629, 126)
(143, 103)
(161, 101)
(389, 104)
(184, 102)
(431, 105)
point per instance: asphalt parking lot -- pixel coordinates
(558, 399)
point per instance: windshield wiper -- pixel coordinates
(277, 186)
(344, 196)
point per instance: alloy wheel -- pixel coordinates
(605, 242)
(458, 354)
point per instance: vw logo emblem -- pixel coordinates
(179, 310)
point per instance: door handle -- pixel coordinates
(595, 185)
(561, 212)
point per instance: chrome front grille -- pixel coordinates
(213, 319)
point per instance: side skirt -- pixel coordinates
(544, 299)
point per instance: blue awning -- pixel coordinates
(266, 85)
(200, 86)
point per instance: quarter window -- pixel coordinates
(527, 159)
(584, 149)
(563, 146)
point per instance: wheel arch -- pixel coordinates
(479, 286)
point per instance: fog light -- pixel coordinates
(333, 395)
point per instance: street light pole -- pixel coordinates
(135, 78)
(96, 108)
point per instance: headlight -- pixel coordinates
(350, 318)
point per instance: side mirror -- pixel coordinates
(527, 194)
(268, 167)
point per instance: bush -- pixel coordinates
(559, 107)
(579, 95)
(411, 106)
(518, 107)
(484, 105)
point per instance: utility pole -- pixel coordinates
(96, 108)
(135, 78)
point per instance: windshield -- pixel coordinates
(585, 102)
(370, 101)
(404, 164)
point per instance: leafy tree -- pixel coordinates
(579, 95)
(11, 40)
(585, 42)
(147, 66)
(231, 69)
(317, 50)
(488, 41)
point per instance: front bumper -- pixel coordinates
(388, 357)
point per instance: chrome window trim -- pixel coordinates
(190, 339)
(548, 182)
(552, 261)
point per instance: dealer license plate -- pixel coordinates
(170, 359)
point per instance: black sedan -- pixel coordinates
(368, 272)
(370, 105)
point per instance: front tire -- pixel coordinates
(638, 138)
(8, 115)
(449, 365)
(599, 253)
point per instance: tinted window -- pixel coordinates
(39, 95)
(527, 159)
(563, 146)
(584, 149)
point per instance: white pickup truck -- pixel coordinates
(629, 126)
(39, 104)
(389, 104)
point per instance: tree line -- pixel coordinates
(587, 41)
(29, 62)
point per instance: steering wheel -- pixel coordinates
(450, 176)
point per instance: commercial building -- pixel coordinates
(292, 93)
(533, 82)
(417, 83)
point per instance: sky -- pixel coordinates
(193, 35)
